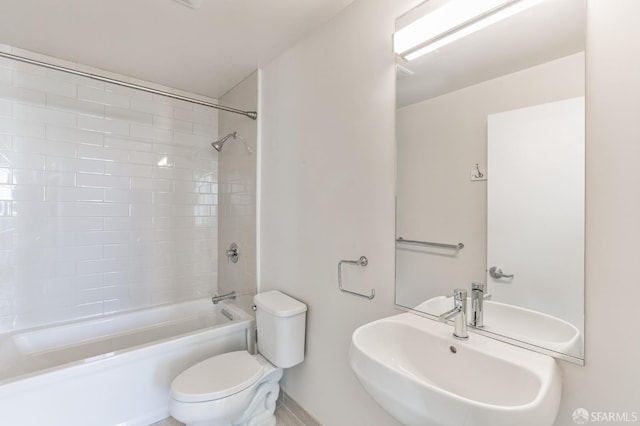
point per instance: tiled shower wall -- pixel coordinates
(238, 189)
(108, 196)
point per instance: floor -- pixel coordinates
(284, 417)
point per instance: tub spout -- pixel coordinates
(215, 299)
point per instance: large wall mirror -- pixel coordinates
(490, 131)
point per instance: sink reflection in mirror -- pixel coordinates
(490, 167)
(521, 324)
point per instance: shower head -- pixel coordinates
(217, 145)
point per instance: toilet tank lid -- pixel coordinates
(279, 304)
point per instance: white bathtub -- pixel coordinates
(115, 370)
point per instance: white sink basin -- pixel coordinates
(419, 373)
(518, 323)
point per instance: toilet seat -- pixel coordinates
(217, 377)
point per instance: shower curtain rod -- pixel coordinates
(251, 114)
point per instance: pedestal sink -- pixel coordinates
(421, 375)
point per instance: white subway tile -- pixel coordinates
(172, 124)
(74, 254)
(83, 209)
(103, 265)
(6, 109)
(33, 209)
(102, 97)
(186, 210)
(43, 146)
(102, 153)
(162, 172)
(207, 199)
(152, 184)
(74, 105)
(6, 76)
(121, 169)
(200, 116)
(103, 181)
(162, 197)
(150, 133)
(49, 85)
(69, 224)
(174, 102)
(43, 115)
(66, 194)
(128, 196)
(208, 130)
(181, 151)
(89, 281)
(21, 128)
(127, 144)
(21, 192)
(102, 237)
(19, 160)
(151, 159)
(85, 296)
(129, 115)
(184, 198)
(103, 125)
(151, 107)
(117, 250)
(6, 142)
(186, 186)
(117, 223)
(79, 165)
(199, 141)
(67, 134)
(35, 177)
(116, 278)
(153, 210)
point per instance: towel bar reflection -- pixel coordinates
(458, 246)
(363, 261)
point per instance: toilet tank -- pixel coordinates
(281, 323)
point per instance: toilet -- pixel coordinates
(238, 388)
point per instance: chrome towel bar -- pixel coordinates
(363, 261)
(458, 246)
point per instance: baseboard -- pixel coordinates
(297, 410)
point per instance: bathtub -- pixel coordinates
(115, 370)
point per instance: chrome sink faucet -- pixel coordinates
(478, 295)
(459, 313)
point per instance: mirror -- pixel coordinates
(490, 169)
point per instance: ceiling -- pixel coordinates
(206, 51)
(549, 31)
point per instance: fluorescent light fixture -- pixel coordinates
(453, 21)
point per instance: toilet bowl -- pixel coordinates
(238, 388)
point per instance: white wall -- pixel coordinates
(106, 196)
(327, 179)
(328, 194)
(609, 380)
(237, 192)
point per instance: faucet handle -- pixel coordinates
(479, 286)
(459, 294)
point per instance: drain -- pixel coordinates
(453, 349)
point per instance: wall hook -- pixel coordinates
(479, 174)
